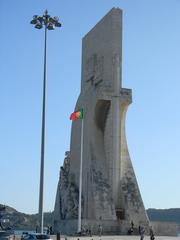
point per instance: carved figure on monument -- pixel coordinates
(68, 199)
(110, 193)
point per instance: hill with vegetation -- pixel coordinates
(10, 217)
(21, 221)
(164, 215)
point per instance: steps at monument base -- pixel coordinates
(109, 227)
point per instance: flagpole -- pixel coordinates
(80, 177)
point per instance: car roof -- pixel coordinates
(40, 235)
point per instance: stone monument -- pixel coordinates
(110, 194)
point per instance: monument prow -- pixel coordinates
(110, 193)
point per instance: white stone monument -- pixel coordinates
(110, 193)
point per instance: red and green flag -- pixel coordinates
(76, 115)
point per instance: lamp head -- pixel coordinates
(57, 24)
(50, 26)
(38, 25)
(34, 20)
(49, 22)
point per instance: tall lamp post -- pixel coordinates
(49, 23)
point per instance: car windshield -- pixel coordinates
(42, 236)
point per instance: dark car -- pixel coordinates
(4, 235)
(36, 236)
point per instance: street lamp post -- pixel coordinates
(49, 23)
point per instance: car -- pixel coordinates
(5, 235)
(24, 234)
(36, 236)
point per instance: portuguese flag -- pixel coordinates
(76, 115)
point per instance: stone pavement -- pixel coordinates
(118, 238)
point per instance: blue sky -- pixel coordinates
(151, 67)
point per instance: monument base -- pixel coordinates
(108, 227)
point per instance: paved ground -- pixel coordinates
(111, 238)
(119, 238)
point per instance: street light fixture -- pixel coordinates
(49, 23)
